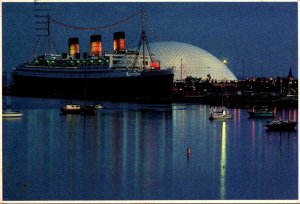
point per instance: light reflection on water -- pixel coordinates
(223, 163)
(138, 151)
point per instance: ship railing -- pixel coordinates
(28, 66)
(50, 67)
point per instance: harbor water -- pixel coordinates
(130, 151)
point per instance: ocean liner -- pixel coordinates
(123, 73)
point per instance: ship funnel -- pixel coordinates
(73, 46)
(96, 46)
(119, 41)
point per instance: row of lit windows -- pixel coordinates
(128, 62)
(133, 57)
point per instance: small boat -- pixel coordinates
(11, 114)
(220, 115)
(78, 109)
(7, 112)
(98, 106)
(280, 125)
(261, 111)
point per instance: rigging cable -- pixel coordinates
(40, 11)
(95, 28)
(35, 48)
(160, 50)
(53, 44)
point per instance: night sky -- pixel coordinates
(261, 34)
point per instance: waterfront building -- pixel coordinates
(290, 76)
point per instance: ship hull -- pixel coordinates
(282, 126)
(83, 110)
(146, 84)
(261, 114)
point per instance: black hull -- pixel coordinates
(157, 86)
(260, 115)
(282, 127)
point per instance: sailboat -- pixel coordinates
(7, 112)
(220, 115)
(11, 114)
(80, 109)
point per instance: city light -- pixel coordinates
(225, 61)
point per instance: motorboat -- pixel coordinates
(261, 111)
(280, 125)
(220, 115)
(98, 106)
(11, 114)
(78, 109)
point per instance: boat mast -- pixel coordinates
(6, 95)
(222, 100)
(85, 84)
(143, 37)
(222, 95)
(181, 70)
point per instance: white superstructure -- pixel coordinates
(128, 59)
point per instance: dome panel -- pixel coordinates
(196, 62)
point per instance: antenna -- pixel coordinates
(41, 14)
(243, 69)
(262, 68)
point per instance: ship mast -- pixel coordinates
(144, 43)
(43, 20)
(48, 34)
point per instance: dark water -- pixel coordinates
(138, 151)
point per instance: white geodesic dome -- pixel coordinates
(194, 61)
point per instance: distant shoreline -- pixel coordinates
(230, 100)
